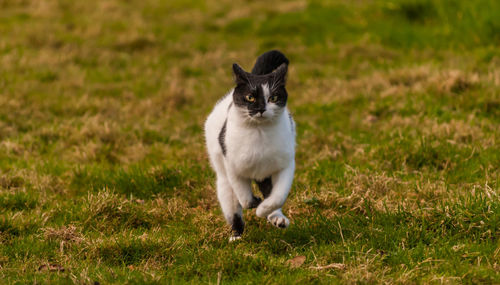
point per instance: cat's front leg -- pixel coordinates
(242, 188)
(282, 182)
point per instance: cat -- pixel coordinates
(250, 136)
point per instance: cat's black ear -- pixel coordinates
(240, 76)
(279, 75)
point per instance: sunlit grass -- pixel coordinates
(104, 175)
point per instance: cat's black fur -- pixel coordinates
(265, 187)
(238, 226)
(222, 138)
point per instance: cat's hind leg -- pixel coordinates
(242, 188)
(265, 186)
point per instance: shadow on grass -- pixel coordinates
(472, 219)
(142, 183)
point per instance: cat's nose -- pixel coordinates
(261, 111)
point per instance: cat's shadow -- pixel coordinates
(300, 233)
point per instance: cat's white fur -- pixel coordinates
(256, 148)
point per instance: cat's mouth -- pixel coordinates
(259, 118)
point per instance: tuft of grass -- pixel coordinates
(106, 209)
(18, 201)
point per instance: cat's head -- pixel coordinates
(260, 98)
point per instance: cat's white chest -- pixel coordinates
(259, 152)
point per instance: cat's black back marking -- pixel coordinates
(265, 186)
(268, 62)
(291, 122)
(238, 225)
(222, 138)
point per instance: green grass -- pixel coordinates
(104, 175)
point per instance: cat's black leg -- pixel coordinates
(238, 227)
(255, 202)
(265, 187)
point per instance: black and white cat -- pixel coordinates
(250, 136)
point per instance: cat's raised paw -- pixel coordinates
(278, 220)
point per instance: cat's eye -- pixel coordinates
(273, 99)
(250, 98)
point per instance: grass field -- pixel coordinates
(104, 175)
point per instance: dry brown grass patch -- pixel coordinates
(171, 208)
(68, 233)
(365, 269)
(377, 189)
(455, 81)
(9, 181)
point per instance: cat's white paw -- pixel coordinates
(278, 220)
(234, 238)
